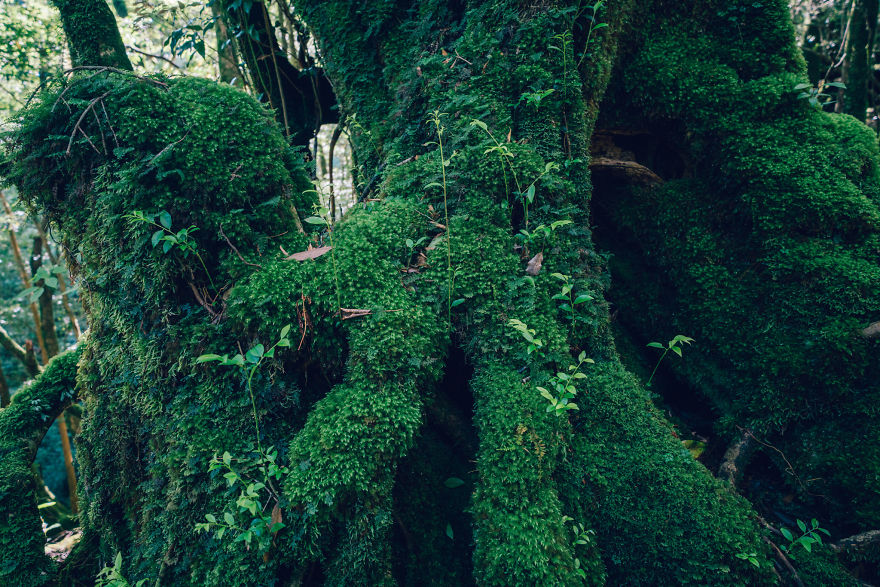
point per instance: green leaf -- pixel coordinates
(157, 236)
(284, 331)
(802, 525)
(656, 345)
(208, 357)
(676, 350)
(254, 354)
(457, 302)
(787, 533)
(165, 219)
(315, 220)
(530, 194)
(166, 246)
(211, 518)
(582, 298)
(227, 458)
(480, 124)
(453, 482)
(449, 531)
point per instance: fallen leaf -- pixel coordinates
(533, 267)
(308, 254)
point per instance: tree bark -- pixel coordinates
(858, 68)
(302, 100)
(92, 34)
(348, 402)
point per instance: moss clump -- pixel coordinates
(767, 249)
(211, 157)
(22, 426)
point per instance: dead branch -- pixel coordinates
(151, 56)
(232, 246)
(858, 541)
(25, 354)
(77, 127)
(629, 170)
(780, 556)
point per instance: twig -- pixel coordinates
(100, 128)
(159, 57)
(232, 246)
(79, 121)
(780, 556)
(107, 116)
(24, 354)
(790, 467)
(201, 300)
(169, 146)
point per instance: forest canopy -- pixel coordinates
(407, 292)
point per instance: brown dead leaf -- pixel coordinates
(276, 515)
(308, 254)
(533, 267)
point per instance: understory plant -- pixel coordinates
(251, 518)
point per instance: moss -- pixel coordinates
(22, 426)
(768, 252)
(91, 31)
(210, 157)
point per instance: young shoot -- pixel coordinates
(180, 240)
(674, 345)
(434, 118)
(563, 387)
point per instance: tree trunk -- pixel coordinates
(302, 100)
(858, 67)
(26, 281)
(227, 62)
(474, 122)
(5, 396)
(92, 34)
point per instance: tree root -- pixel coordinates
(736, 458)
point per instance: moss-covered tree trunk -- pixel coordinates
(474, 122)
(858, 67)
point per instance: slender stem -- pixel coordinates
(335, 273)
(651, 378)
(446, 218)
(254, 404)
(208, 273)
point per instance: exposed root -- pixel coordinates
(736, 458)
